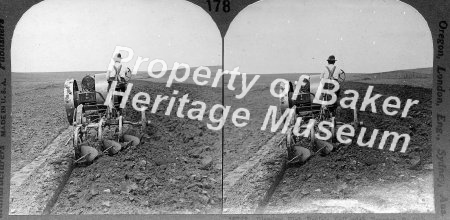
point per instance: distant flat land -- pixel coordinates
(422, 77)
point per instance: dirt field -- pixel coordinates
(177, 168)
(165, 174)
(38, 113)
(341, 174)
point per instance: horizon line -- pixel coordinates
(102, 71)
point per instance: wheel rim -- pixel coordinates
(289, 143)
(312, 136)
(76, 140)
(120, 127)
(100, 129)
(333, 129)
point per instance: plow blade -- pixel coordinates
(89, 153)
(111, 146)
(323, 147)
(135, 140)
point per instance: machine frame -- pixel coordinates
(86, 111)
(304, 107)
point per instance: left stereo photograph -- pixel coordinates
(115, 109)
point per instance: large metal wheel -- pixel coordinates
(70, 98)
(284, 101)
(289, 144)
(76, 140)
(120, 127)
(333, 129)
(100, 129)
(143, 122)
(128, 74)
(355, 118)
(312, 137)
(341, 77)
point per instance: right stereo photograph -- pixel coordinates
(334, 104)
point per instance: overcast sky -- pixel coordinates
(81, 35)
(269, 36)
(273, 36)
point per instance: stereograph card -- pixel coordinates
(224, 109)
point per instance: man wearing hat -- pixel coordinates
(332, 71)
(117, 72)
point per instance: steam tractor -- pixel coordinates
(305, 108)
(87, 114)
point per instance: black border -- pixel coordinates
(434, 12)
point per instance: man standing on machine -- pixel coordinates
(333, 72)
(117, 72)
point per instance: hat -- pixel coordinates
(331, 58)
(117, 57)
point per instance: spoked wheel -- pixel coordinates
(312, 137)
(120, 118)
(100, 129)
(333, 129)
(289, 145)
(341, 77)
(127, 74)
(143, 122)
(355, 118)
(76, 140)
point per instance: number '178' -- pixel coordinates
(215, 5)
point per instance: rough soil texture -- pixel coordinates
(241, 144)
(344, 172)
(176, 169)
(369, 199)
(35, 187)
(252, 180)
(38, 115)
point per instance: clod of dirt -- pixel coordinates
(206, 162)
(145, 203)
(142, 163)
(196, 152)
(342, 187)
(371, 161)
(204, 199)
(130, 187)
(304, 192)
(414, 163)
(162, 161)
(106, 204)
(72, 195)
(94, 192)
(309, 175)
(428, 166)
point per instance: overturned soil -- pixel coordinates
(177, 168)
(341, 174)
(349, 168)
